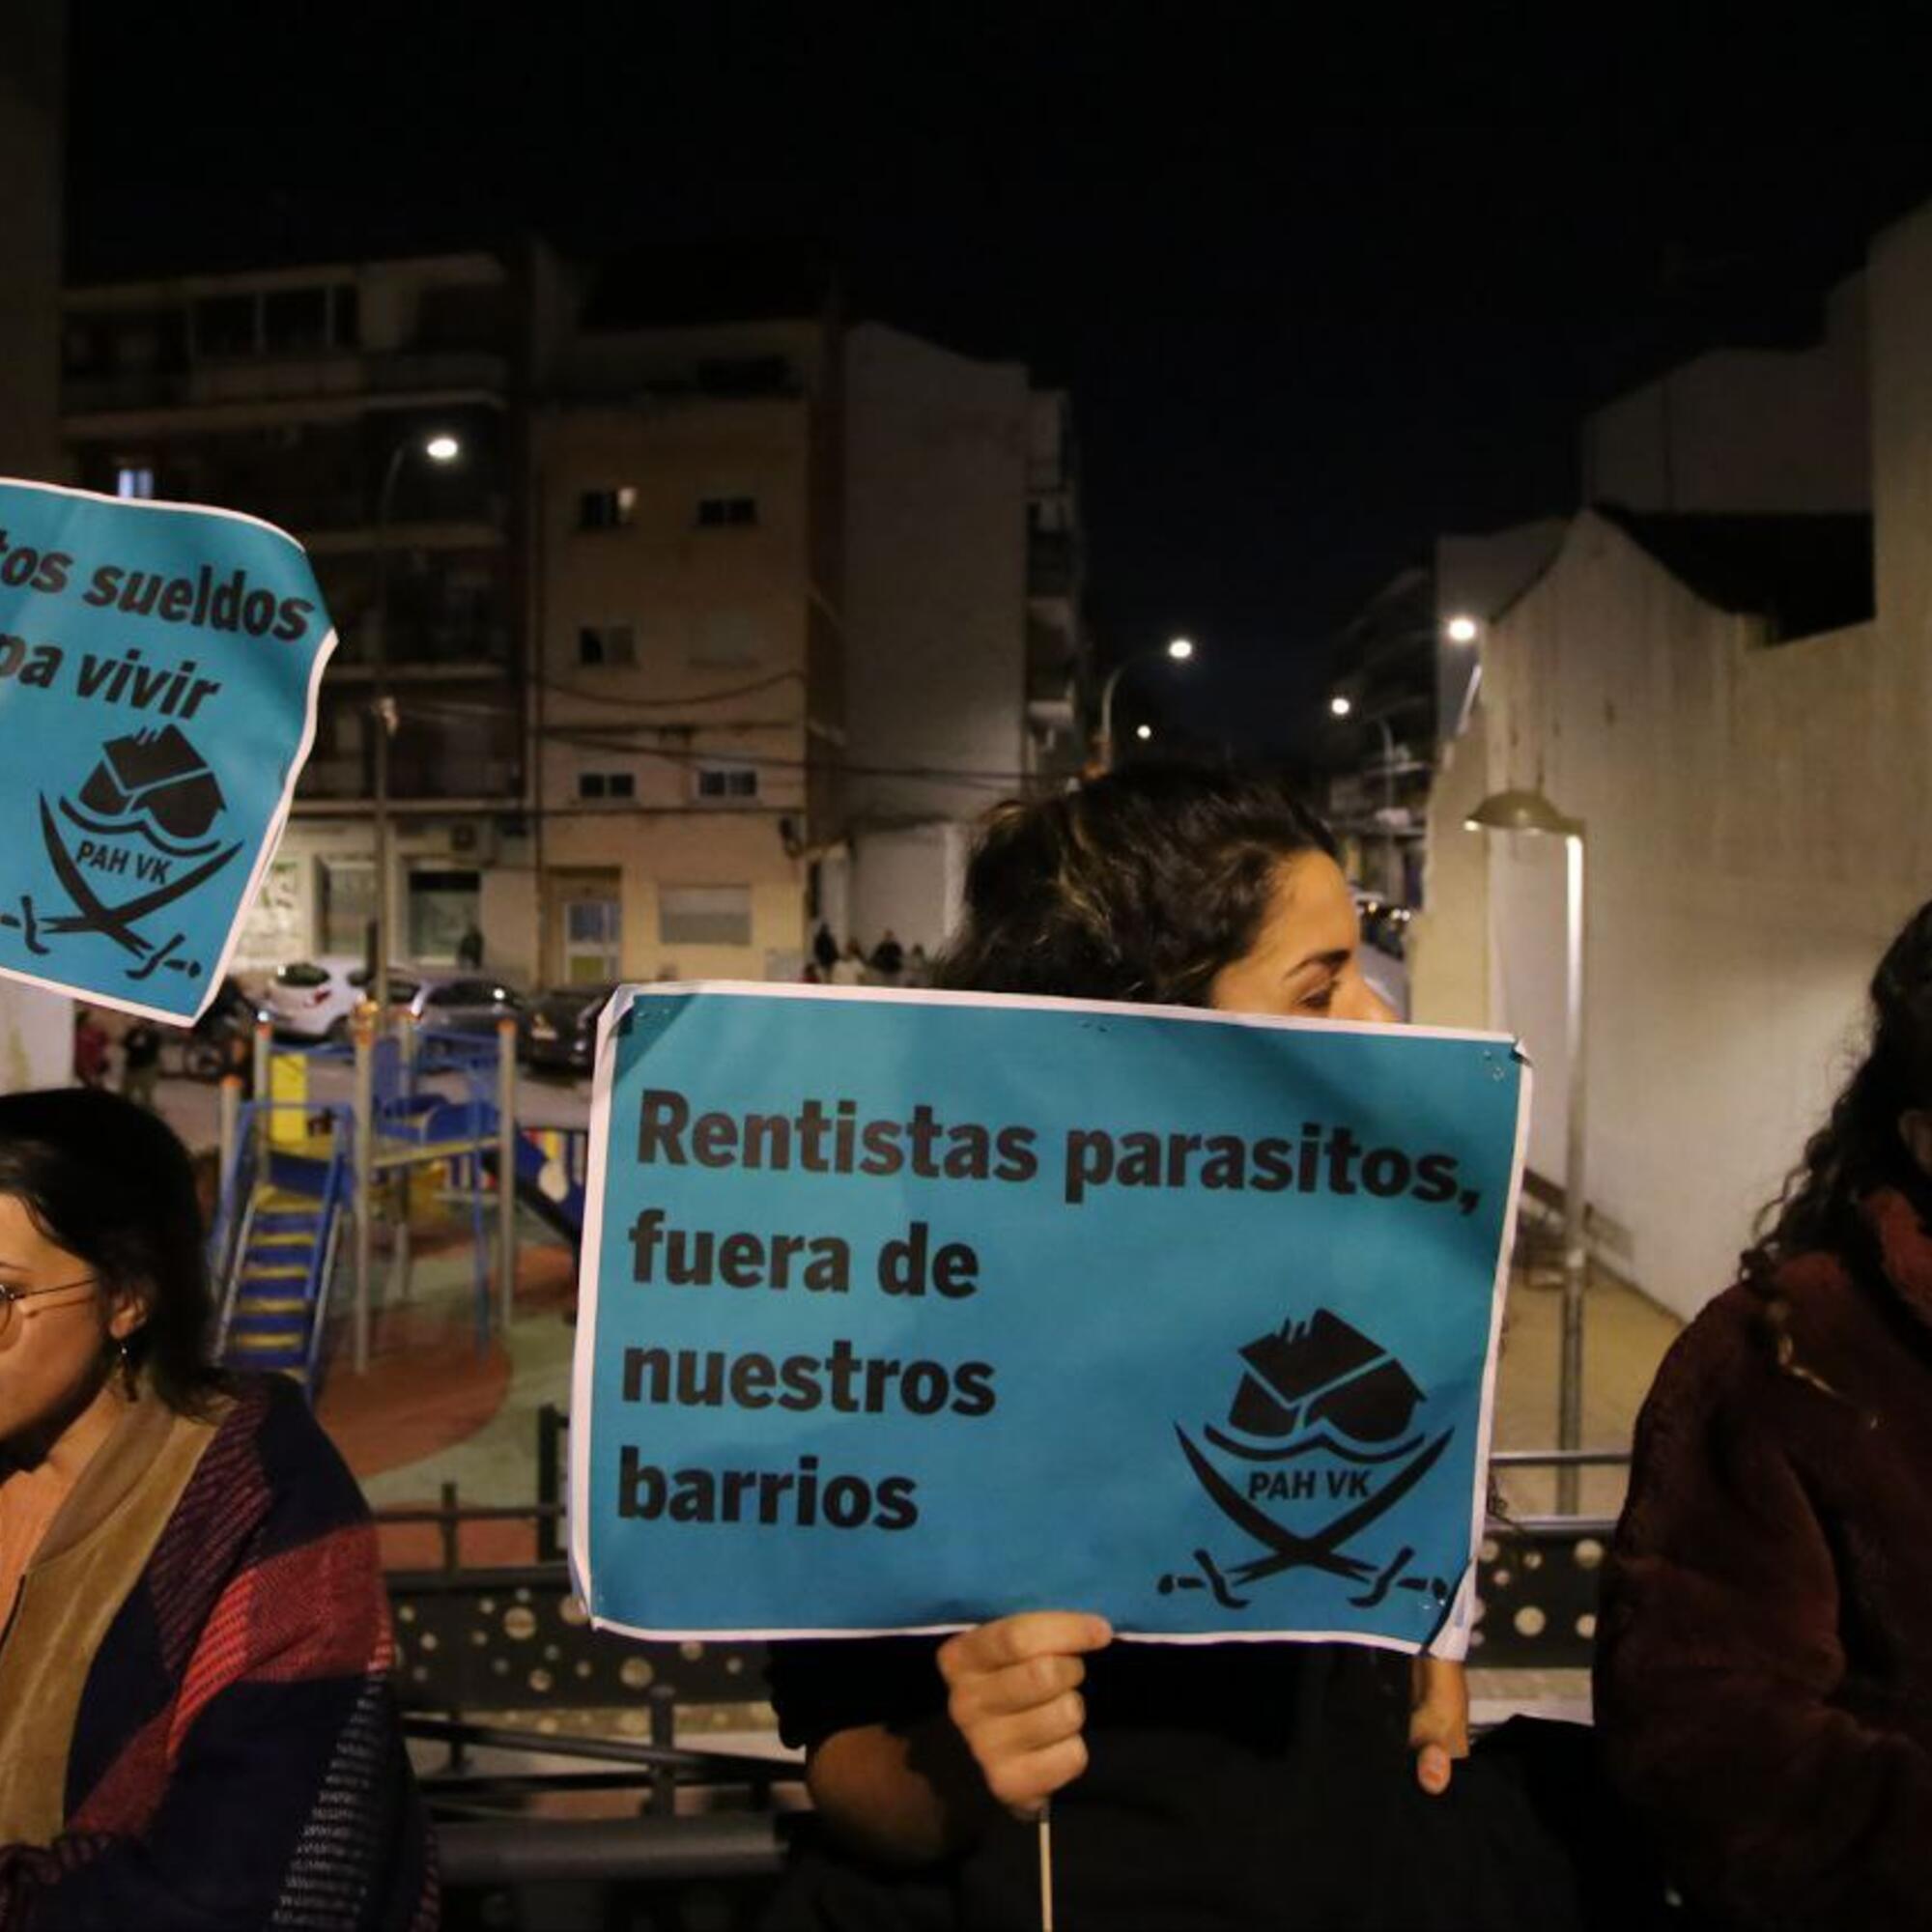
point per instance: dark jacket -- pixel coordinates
(1232, 1788)
(231, 1754)
(1764, 1674)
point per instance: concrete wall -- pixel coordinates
(935, 575)
(1477, 577)
(1741, 430)
(1746, 871)
(909, 881)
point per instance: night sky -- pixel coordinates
(1318, 294)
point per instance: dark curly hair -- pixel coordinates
(112, 1185)
(1860, 1148)
(1142, 885)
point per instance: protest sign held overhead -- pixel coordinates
(158, 668)
(902, 1311)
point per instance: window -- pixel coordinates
(607, 509)
(134, 480)
(443, 906)
(294, 320)
(226, 326)
(727, 781)
(717, 513)
(606, 785)
(592, 941)
(348, 900)
(704, 916)
(606, 644)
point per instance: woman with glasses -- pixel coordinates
(196, 1728)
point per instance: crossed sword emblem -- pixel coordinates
(1288, 1551)
(114, 922)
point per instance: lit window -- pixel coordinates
(727, 781)
(612, 509)
(606, 644)
(718, 513)
(134, 480)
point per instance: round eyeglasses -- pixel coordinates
(10, 1295)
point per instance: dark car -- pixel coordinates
(465, 1005)
(559, 1030)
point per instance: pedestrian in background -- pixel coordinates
(140, 1063)
(196, 1722)
(849, 968)
(1764, 1670)
(889, 960)
(90, 1048)
(824, 949)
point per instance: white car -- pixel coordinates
(312, 999)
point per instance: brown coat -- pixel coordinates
(1764, 1673)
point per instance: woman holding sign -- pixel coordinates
(1764, 1676)
(196, 1728)
(1200, 1785)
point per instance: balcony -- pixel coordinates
(241, 381)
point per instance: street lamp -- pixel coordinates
(1461, 629)
(1530, 811)
(441, 447)
(1144, 732)
(1340, 706)
(1179, 649)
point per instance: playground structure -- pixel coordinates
(303, 1178)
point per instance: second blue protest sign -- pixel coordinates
(903, 1311)
(158, 665)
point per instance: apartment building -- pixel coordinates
(684, 720)
(711, 591)
(306, 396)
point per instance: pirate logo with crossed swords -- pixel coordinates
(1322, 1416)
(145, 817)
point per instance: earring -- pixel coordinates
(127, 1364)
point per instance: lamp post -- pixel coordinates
(441, 447)
(1530, 811)
(1177, 649)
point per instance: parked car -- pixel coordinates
(468, 1003)
(312, 999)
(559, 1028)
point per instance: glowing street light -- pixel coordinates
(1144, 732)
(1180, 649)
(1340, 706)
(1461, 629)
(443, 448)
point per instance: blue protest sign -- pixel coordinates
(901, 1311)
(158, 666)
